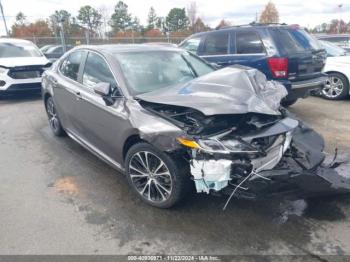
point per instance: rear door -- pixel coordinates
(216, 48)
(66, 87)
(306, 58)
(249, 50)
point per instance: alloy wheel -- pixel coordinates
(51, 111)
(150, 176)
(333, 87)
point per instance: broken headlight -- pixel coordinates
(226, 146)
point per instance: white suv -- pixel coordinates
(21, 66)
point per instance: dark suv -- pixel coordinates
(284, 53)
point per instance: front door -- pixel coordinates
(100, 125)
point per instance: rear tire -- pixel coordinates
(157, 178)
(336, 87)
(54, 121)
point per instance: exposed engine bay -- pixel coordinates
(249, 154)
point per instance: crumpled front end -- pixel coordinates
(288, 161)
(238, 141)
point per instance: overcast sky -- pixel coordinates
(304, 12)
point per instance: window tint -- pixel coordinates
(295, 40)
(216, 44)
(70, 66)
(248, 43)
(96, 71)
(286, 41)
(305, 39)
(191, 44)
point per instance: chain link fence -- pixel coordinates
(42, 41)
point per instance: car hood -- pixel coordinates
(23, 61)
(339, 60)
(232, 90)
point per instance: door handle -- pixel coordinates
(78, 96)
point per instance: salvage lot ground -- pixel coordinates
(56, 198)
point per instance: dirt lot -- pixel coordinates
(56, 198)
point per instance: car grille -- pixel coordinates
(25, 72)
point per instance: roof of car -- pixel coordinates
(243, 27)
(14, 40)
(120, 48)
(333, 36)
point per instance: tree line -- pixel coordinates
(97, 23)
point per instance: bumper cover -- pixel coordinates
(302, 89)
(22, 87)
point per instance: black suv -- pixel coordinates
(286, 53)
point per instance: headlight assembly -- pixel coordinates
(216, 146)
(226, 146)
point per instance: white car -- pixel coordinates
(338, 70)
(21, 66)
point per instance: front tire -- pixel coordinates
(156, 177)
(336, 87)
(54, 122)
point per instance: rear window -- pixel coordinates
(295, 40)
(248, 43)
(216, 44)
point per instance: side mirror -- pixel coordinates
(103, 89)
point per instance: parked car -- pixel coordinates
(341, 40)
(284, 53)
(21, 66)
(169, 121)
(338, 71)
(44, 48)
(55, 52)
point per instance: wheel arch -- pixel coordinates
(46, 95)
(339, 73)
(129, 142)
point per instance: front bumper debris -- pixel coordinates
(293, 167)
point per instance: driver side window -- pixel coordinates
(96, 71)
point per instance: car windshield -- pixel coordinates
(13, 49)
(149, 71)
(332, 49)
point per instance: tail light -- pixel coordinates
(278, 66)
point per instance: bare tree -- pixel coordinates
(105, 16)
(192, 14)
(223, 23)
(270, 14)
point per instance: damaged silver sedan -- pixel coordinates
(170, 122)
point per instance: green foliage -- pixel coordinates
(152, 19)
(20, 18)
(121, 19)
(89, 17)
(177, 20)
